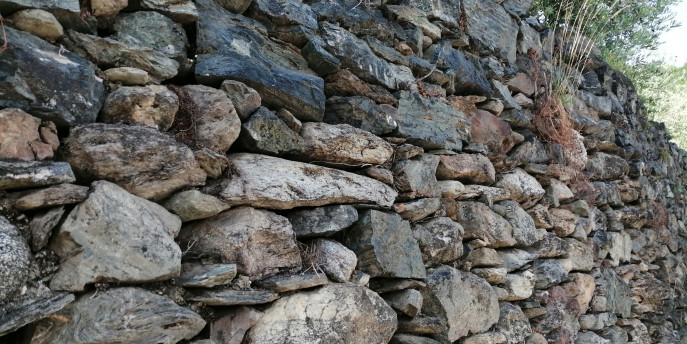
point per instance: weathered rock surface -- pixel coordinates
(51, 196)
(333, 313)
(322, 221)
(153, 105)
(469, 168)
(41, 226)
(524, 230)
(108, 316)
(231, 297)
(490, 130)
(116, 236)
(35, 308)
(193, 205)
(274, 183)
(142, 160)
(440, 240)
(513, 323)
(429, 123)
(232, 326)
(333, 258)
(465, 301)
(286, 283)
(181, 11)
(491, 27)
(236, 48)
(21, 137)
(245, 99)
(418, 209)
(361, 112)
(385, 246)
(343, 144)
(127, 76)
(259, 242)
(38, 71)
(38, 22)
(205, 276)
(408, 301)
(266, 133)
(524, 188)
(480, 222)
(416, 177)
(15, 257)
(30, 174)
(215, 122)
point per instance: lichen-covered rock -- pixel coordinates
(385, 246)
(39, 70)
(259, 242)
(335, 259)
(465, 301)
(547, 273)
(513, 323)
(31, 174)
(491, 27)
(245, 99)
(524, 188)
(440, 240)
(152, 105)
(129, 315)
(15, 258)
(524, 230)
(274, 183)
(266, 133)
(416, 177)
(343, 144)
(140, 159)
(115, 236)
(21, 138)
(127, 76)
(322, 221)
(334, 313)
(361, 112)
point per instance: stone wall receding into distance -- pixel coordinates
(326, 171)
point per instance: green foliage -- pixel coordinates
(663, 88)
(623, 30)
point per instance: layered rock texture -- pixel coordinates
(325, 171)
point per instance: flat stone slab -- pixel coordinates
(31, 174)
(274, 183)
(32, 310)
(280, 284)
(232, 297)
(205, 276)
(51, 196)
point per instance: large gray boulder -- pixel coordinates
(491, 27)
(237, 48)
(123, 315)
(115, 236)
(385, 246)
(259, 242)
(274, 183)
(335, 313)
(15, 258)
(468, 303)
(140, 159)
(35, 75)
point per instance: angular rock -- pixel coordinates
(524, 230)
(418, 209)
(194, 205)
(230, 297)
(588, 337)
(38, 22)
(486, 338)
(513, 323)
(385, 246)
(236, 48)
(410, 339)
(616, 291)
(581, 287)
(245, 99)
(408, 302)
(480, 222)
(440, 240)
(416, 17)
(492, 275)
(514, 258)
(333, 258)
(547, 273)
(15, 258)
(211, 162)
(345, 84)
(483, 257)
(524, 188)
(602, 166)
(492, 28)
(142, 160)
(579, 256)
(322, 221)
(21, 137)
(133, 315)
(127, 76)
(290, 21)
(361, 112)
(468, 79)
(106, 52)
(215, 122)
(281, 284)
(31, 310)
(233, 325)
(107, 8)
(291, 121)
(491, 131)
(429, 123)
(343, 144)
(564, 221)
(274, 183)
(115, 236)
(422, 324)
(356, 56)
(51, 196)
(265, 133)
(38, 71)
(181, 11)
(417, 177)
(319, 59)
(519, 286)
(468, 168)
(333, 313)
(560, 319)
(41, 226)
(465, 301)
(259, 242)
(153, 105)
(31, 174)
(387, 285)
(451, 189)
(205, 276)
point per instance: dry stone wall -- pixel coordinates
(325, 171)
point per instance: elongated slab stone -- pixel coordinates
(274, 183)
(30, 174)
(232, 297)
